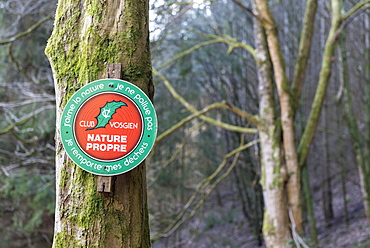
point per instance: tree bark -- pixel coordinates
(287, 114)
(365, 169)
(360, 145)
(276, 229)
(303, 52)
(86, 36)
(324, 77)
(327, 196)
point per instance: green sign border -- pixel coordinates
(136, 156)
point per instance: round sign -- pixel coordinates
(108, 127)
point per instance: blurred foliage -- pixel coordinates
(27, 126)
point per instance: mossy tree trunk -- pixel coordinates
(87, 35)
(282, 161)
(360, 139)
(325, 73)
(291, 178)
(276, 229)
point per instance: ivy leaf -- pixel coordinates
(106, 113)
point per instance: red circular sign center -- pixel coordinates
(108, 126)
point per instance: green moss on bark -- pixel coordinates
(268, 225)
(64, 239)
(87, 35)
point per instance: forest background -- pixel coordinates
(200, 194)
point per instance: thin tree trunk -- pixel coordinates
(324, 77)
(309, 204)
(303, 52)
(293, 184)
(326, 177)
(343, 169)
(366, 163)
(86, 36)
(276, 229)
(360, 145)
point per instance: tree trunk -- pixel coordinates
(309, 205)
(293, 184)
(304, 50)
(276, 229)
(86, 36)
(360, 145)
(365, 169)
(325, 72)
(327, 198)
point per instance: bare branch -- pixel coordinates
(25, 119)
(222, 105)
(182, 11)
(359, 6)
(246, 9)
(232, 42)
(24, 33)
(38, 99)
(190, 108)
(187, 119)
